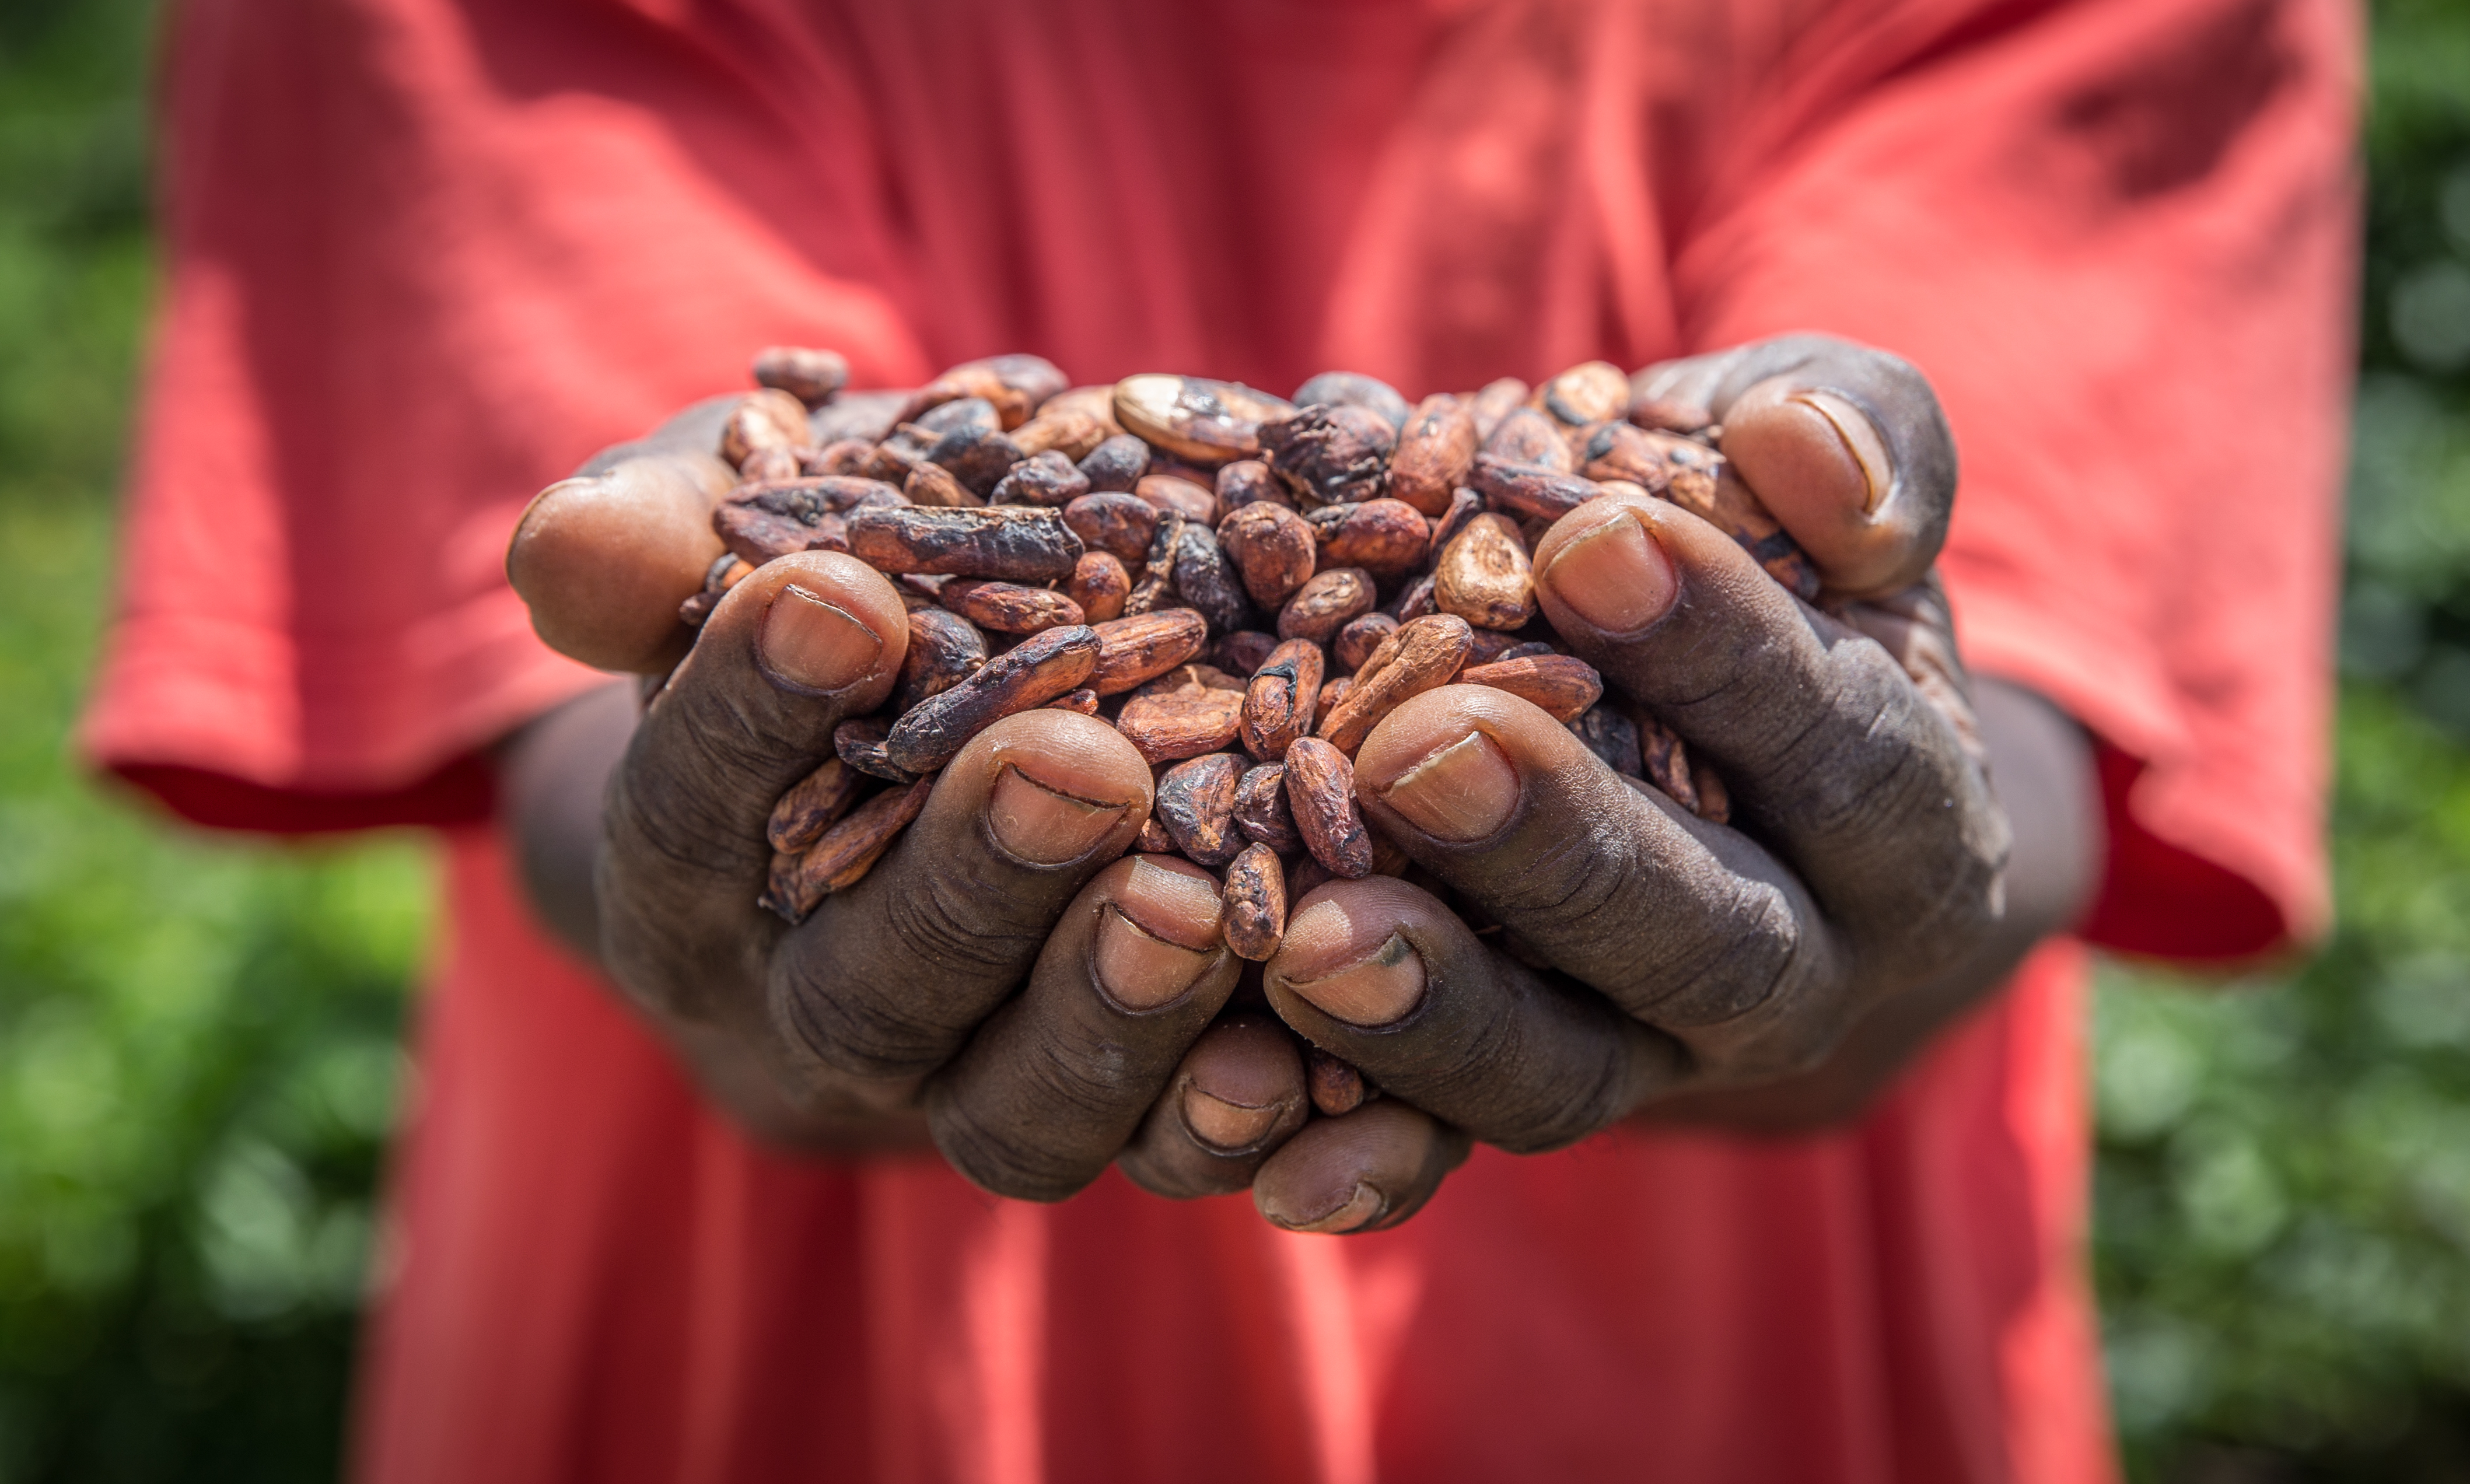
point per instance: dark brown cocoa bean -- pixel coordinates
(1187, 711)
(1193, 418)
(1271, 547)
(1115, 521)
(1529, 490)
(1413, 601)
(1196, 801)
(754, 535)
(1330, 455)
(865, 417)
(813, 804)
(1119, 463)
(1665, 761)
(1047, 478)
(1255, 899)
(1248, 481)
(1484, 577)
(1419, 657)
(1434, 454)
(1526, 436)
(1195, 503)
(1282, 699)
(1490, 645)
(727, 571)
(809, 498)
(1320, 790)
(1133, 652)
(1262, 811)
(845, 853)
(1562, 685)
(1241, 651)
(945, 649)
(812, 376)
(1355, 389)
(1466, 506)
(1387, 538)
(1325, 603)
(1362, 635)
(1008, 606)
(1030, 674)
(860, 743)
(1013, 542)
(1521, 651)
(1206, 580)
(891, 460)
(767, 420)
(1016, 386)
(1099, 584)
(1611, 737)
(1337, 1087)
(1061, 430)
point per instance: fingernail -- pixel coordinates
(1375, 990)
(1465, 791)
(1615, 577)
(810, 645)
(1140, 970)
(1861, 440)
(1228, 1127)
(1041, 827)
(1362, 1206)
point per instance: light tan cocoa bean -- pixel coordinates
(813, 804)
(1527, 436)
(1096, 402)
(845, 853)
(1191, 417)
(1192, 710)
(1066, 431)
(1337, 1087)
(1356, 642)
(1434, 454)
(1727, 504)
(768, 419)
(1282, 699)
(1325, 603)
(1611, 737)
(1134, 651)
(1420, 656)
(1196, 799)
(1099, 584)
(812, 376)
(1320, 790)
(1484, 577)
(1273, 549)
(1117, 521)
(1596, 392)
(1248, 480)
(1260, 808)
(859, 742)
(1388, 538)
(1083, 701)
(1013, 542)
(945, 649)
(1030, 674)
(1495, 403)
(1529, 490)
(1190, 500)
(1665, 761)
(1255, 897)
(935, 487)
(1562, 685)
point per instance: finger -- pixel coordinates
(1370, 1169)
(602, 560)
(803, 645)
(1381, 973)
(1239, 1094)
(1832, 757)
(889, 977)
(1054, 1084)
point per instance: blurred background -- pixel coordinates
(199, 1039)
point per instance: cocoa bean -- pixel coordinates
(1272, 548)
(865, 417)
(1320, 790)
(1330, 455)
(1665, 762)
(1248, 481)
(754, 535)
(1032, 673)
(1466, 506)
(1362, 635)
(1282, 699)
(1047, 478)
(813, 804)
(1433, 453)
(1337, 1087)
(845, 456)
(1092, 401)
(809, 498)
(1305, 874)
(860, 743)
(1354, 389)
(1154, 585)
(1099, 584)
(1333, 692)
(1262, 811)
(1206, 580)
(1192, 710)
(812, 376)
(1484, 577)
(932, 485)
(1611, 737)
(1650, 460)
(1527, 436)
(1490, 645)
(768, 419)
(1241, 651)
(1529, 490)
(1065, 432)
(1420, 656)
(1495, 403)
(1008, 606)
(1196, 801)
(1728, 505)
(1593, 393)
(727, 571)
(1413, 601)
(1133, 652)
(1387, 538)
(845, 853)
(1255, 899)
(891, 460)
(1153, 840)
(1116, 464)
(1013, 542)
(1325, 603)
(1083, 701)
(1169, 492)
(1562, 685)
(945, 649)
(1114, 520)
(1015, 385)
(1714, 800)
(1521, 651)
(1191, 417)
(772, 464)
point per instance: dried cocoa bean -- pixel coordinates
(813, 804)
(1282, 699)
(1065, 432)
(1154, 585)
(1611, 737)
(1305, 874)
(1714, 800)
(1355, 389)
(1116, 464)
(1337, 1087)
(865, 417)
(1593, 393)
(727, 571)
(1008, 606)
(1387, 538)
(812, 376)
(772, 464)
(845, 457)
(1466, 506)
(845, 853)
(1114, 520)
(1272, 548)
(1206, 580)
(1083, 701)
(1728, 505)
(860, 743)
(1320, 790)
(1562, 685)
(754, 535)
(1030, 674)
(1333, 692)
(945, 649)
(1325, 603)
(935, 487)
(769, 419)
(1255, 899)
(891, 460)
(1491, 645)
(1495, 403)
(1243, 652)
(1099, 584)
(1191, 417)
(1196, 801)
(1362, 635)
(1484, 577)
(1413, 601)
(1013, 542)
(1248, 481)
(1529, 490)
(1420, 656)
(809, 498)
(1153, 840)
(1192, 710)
(1330, 455)
(1651, 460)
(1096, 402)
(1015, 385)
(1433, 453)
(1665, 762)
(1133, 652)
(1260, 809)
(1526, 436)
(1047, 478)
(1171, 491)
(1521, 651)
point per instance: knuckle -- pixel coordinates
(853, 1030)
(1750, 953)
(953, 923)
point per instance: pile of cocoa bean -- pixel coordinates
(1243, 585)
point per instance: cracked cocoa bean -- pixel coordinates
(1191, 709)
(1562, 685)
(1030, 674)
(1282, 699)
(1484, 577)
(1255, 899)
(1330, 455)
(1419, 657)
(859, 742)
(1133, 652)
(1015, 544)
(1196, 799)
(1320, 790)
(1260, 809)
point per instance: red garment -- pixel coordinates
(426, 257)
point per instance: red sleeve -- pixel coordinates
(409, 282)
(2119, 239)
